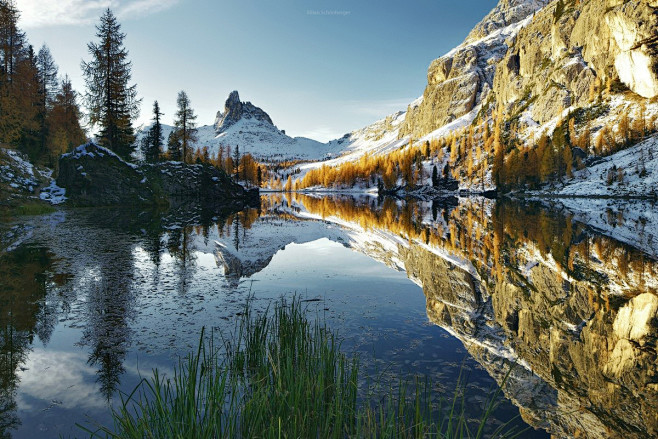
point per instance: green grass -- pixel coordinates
(282, 375)
(31, 208)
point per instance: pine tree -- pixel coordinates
(48, 88)
(185, 124)
(174, 147)
(111, 101)
(435, 176)
(152, 147)
(236, 161)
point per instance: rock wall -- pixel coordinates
(546, 54)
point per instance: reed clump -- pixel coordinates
(281, 374)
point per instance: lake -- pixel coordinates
(563, 295)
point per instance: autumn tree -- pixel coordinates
(111, 100)
(64, 132)
(12, 50)
(185, 124)
(25, 88)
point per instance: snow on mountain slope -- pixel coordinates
(627, 173)
(244, 125)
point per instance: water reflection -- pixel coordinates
(575, 308)
(24, 315)
(519, 282)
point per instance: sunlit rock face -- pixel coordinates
(633, 27)
(543, 56)
(586, 357)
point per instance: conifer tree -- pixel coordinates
(64, 131)
(25, 88)
(11, 50)
(12, 39)
(185, 125)
(111, 100)
(48, 83)
(48, 88)
(236, 161)
(152, 146)
(174, 147)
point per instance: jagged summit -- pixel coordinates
(234, 110)
(505, 13)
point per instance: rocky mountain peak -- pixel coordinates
(506, 13)
(235, 110)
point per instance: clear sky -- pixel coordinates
(319, 68)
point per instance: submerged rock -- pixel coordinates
(95, 176)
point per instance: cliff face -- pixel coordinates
(570, 48)
(234, 110)
(464, 77)
(544, 56)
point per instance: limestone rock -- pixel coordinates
(234, 110)
(544, 56)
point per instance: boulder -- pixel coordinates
(95, 176)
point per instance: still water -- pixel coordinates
(91, 300)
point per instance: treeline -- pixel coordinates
(551, 158)
(39, 113)
(402, 167)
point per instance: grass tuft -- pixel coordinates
(282, 375)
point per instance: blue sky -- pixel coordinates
(319, 68)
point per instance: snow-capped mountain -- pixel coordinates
(250, 128)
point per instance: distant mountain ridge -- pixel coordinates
(244, 125)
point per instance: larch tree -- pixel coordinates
(185, 124)
(110, 99)
(25, 87)
(12, 50)
(65, 131)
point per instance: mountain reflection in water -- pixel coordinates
(576, 310)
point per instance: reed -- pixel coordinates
(280, 374)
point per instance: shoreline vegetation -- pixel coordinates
(281, 374)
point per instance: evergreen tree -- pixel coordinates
(48, 88)
(174, 147)
(435, 176)
(48, 83)
(152, 147)
(236, 161)
(185, 124)
(111, 101)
